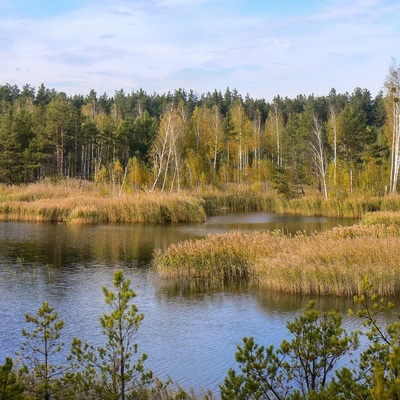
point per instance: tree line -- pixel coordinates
(338, 143)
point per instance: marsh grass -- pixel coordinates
(77, 202)
(314, 205)
(247, 198)
(217, 259)
(387, 218)
(237, 198)
(82, 202)
(330, 263)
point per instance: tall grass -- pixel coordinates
(78, 202)
(217, 259)
(247, 198)
(82, 202)
(390, 203)
(386, 218)
(329, 263)
(350, 207)
(237, 198)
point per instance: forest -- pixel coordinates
(338, 144)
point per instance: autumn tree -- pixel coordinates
(167, 148)
(240, 139)
(257, 143)
(216, 136)
(274, 131)
(205, 143)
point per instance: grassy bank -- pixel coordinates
(349, 207)
(244, 198)
(82, 202)
(78, 202)
(330, 263)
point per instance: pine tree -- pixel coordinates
(10, 388)
(111, 372)
(41, 376)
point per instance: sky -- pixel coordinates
(262, 48)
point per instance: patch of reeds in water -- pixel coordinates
(218, 259)
(330, 263)
(80, 203)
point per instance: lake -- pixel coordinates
(190, 336)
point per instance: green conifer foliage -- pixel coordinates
(10, 388)
(41, 375)
(114, 371)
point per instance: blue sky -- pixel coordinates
(260, 47)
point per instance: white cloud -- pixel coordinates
(165, 44)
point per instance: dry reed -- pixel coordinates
(77, 202)
(330, 263)
(237, 198)
(350, 207)
(386, 218)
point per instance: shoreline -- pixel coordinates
(82, 202)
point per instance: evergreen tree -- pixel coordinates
(111, 372)
(42, 377)
(299, 368)
(353, 138)
(377, 373)
(10, 388)
(60, 123)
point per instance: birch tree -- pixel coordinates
(257, 139)
(242, 129)
(392, 103)
(333, 133)
(216, 136)
(318, 152)
(274, 129)
(166, 151)
(161, 150)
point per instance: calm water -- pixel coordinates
(191, 337)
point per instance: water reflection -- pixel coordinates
(189, 334)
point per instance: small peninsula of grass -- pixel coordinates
(82, 202)
(329, 263)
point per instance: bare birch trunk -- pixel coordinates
(319, 154)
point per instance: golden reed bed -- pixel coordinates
(330, 263)
(80, 202)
